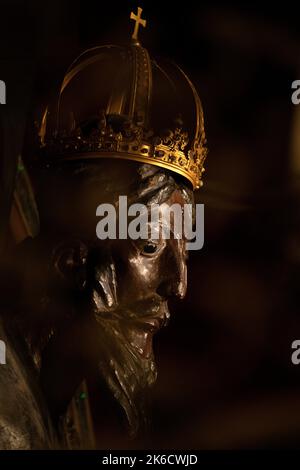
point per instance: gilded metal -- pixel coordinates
(138, 21)
(123, 123)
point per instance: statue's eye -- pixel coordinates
(150, 247)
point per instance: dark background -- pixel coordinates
(225, 374)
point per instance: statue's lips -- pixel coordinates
(156, 316)
(154, 324)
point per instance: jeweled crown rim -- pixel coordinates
(104, 143)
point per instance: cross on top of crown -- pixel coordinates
(138, 21)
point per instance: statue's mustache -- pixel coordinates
(152, 311)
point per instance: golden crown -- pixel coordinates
(131, 94)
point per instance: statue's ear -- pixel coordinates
(69, 261)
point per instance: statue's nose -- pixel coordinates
(179, 283)
(175, 284)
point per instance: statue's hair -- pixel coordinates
(146, 183)
(59, 189)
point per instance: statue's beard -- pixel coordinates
(127, 363)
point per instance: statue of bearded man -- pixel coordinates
(122, 125)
